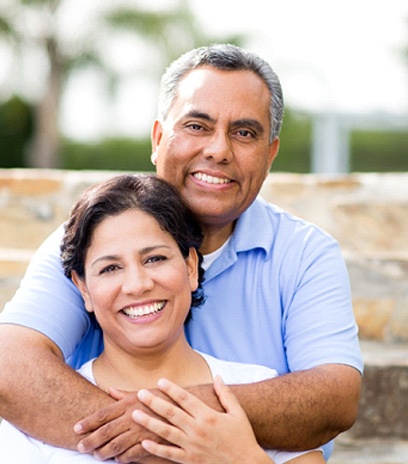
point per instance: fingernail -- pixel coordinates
(137, 415)
(163, 383)
(81, 447)
(142, 394)
(78, 428)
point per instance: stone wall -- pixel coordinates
(366, 213)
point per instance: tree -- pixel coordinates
(37, 26)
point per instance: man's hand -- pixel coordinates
(112, 433)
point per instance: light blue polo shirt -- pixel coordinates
(278, 295)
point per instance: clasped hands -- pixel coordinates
(169, 424)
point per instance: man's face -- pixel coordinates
(214, 144)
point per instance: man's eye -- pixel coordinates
(195, 126)
(245, 133)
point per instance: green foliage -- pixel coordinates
(379, 151)
(134, 155)
(16, 127)
(116, 154)
(371, 151)
(295, 146)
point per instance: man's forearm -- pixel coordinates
(302, 410)
(298, 411)
(39, 393)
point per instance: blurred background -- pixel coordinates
(79, 79)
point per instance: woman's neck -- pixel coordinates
(126, 371)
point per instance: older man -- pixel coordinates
(277, 288)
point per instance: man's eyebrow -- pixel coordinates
(199, 115)
(248, 122)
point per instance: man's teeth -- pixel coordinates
(144, 310)
(211, 179)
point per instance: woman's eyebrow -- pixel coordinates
(104, 258)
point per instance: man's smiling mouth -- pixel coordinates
(211, 179)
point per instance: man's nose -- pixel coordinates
(219, 148)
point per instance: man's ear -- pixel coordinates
(273, 153)
(81, 285)
(157, 132)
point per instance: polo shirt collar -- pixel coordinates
(252, 230)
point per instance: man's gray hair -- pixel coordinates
(224, 57)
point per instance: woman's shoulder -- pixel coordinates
(237, 372)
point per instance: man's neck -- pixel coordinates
(215, 237)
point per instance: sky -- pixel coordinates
(342, 54)
(331, 55)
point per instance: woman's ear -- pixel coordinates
(192, 268)
(81, 285)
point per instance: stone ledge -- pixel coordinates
(369, 451)
(383, 410)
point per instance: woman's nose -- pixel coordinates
(137, 280)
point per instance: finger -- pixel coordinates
(102, 436)
(163, 430)
(171, 453)
(166, 410)
(99, 418)
(227, 398)
(116, 393)
(119, 446)
(188, 402)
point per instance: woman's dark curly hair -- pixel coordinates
(147, 193)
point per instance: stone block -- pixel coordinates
(380, 295)
(383, 410)
(373, 316)
(13, 264)
(372, 225)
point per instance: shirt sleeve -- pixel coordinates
(320, 327)
(47, 301)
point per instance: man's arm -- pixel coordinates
(296, 411)
(39, 393)
(302, 410)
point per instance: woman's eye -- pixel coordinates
(155, 259)
(108, 269)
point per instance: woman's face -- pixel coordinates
(137, 282)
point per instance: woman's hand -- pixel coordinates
(198, 433)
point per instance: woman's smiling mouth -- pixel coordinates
(141, 311)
